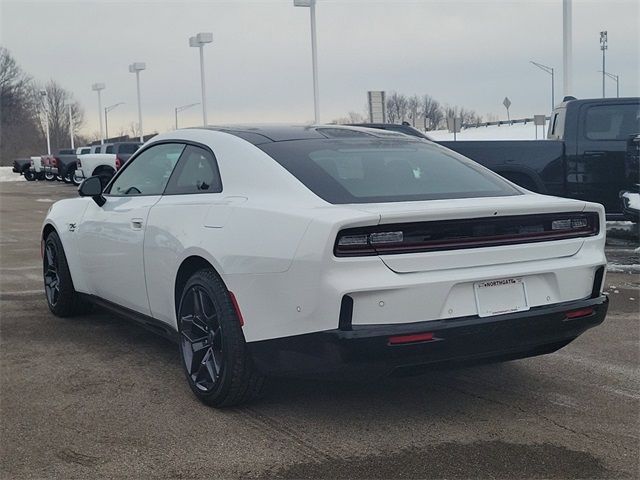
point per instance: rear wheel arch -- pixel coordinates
(188, 267)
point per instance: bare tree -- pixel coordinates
(431, 112)
(19, 133)
(397, 106)
(56, 104)
(413, 109)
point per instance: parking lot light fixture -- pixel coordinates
(98, 87)
(180, 109)
(603, 46)
(136, 68)
(43, 96)
(550, 71)
(106, 118)
(311, 4)
(613, 77)
(199, 41)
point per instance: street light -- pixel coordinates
(314, 53)
(613, 77)
(98, 87)
(136, 68)
(603, 47)
(200, 40)
(183, 107)
(43, 95)
(106, 118)
(548, 70)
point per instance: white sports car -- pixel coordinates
(324, 250)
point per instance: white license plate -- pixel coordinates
(498, 297)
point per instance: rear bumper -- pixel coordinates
(366, 348)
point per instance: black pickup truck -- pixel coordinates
(584, 157)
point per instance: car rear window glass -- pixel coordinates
(381, 170)
(128, 148)
(612, 122)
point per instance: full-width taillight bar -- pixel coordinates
(464, 233)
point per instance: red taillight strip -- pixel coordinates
(413, 338)
(418, 237)
(583, 312)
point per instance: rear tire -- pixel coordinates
(29, 176)
(62, 298)
(50, 177)
(214, 354)
(76, 180)
(68, 176)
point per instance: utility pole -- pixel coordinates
(567, 48)
(71, 126)
(603, 47)
(550, 71)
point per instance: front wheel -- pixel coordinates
(29, 176)
(62, 298)
(50, 176)
(214, 354)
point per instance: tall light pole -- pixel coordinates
(603, 47)
(314, 53)
(567, 48)
(548, 70)
(180, 109)
(106, 118)
(199, 41)
(43, 95)
(136, 68)
(613, 77)
(98, 87)
(71, 127)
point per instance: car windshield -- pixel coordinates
(380, 170)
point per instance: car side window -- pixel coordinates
(149, 172)
(197, 172)
(612, 122)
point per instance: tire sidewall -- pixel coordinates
(232, 337)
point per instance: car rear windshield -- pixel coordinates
(381, 170)
(128, 148)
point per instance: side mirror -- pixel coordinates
(92, 187)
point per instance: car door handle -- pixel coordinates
(136, 223)
(594, 153)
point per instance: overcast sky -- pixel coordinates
(258, 69)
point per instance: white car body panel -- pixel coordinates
(271, 240)
(92, 161)
(36, 164)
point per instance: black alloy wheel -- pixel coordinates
(201, 338)
(215, 357)
(51, 278)
(62, 298)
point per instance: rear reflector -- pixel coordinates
(583, 312)
(413, 338)
(236, 307)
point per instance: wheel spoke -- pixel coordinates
(201, 335)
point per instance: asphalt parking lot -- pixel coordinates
(97, 397)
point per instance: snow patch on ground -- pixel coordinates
(8, 175)
(494, 132)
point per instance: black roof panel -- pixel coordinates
(261, 134)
